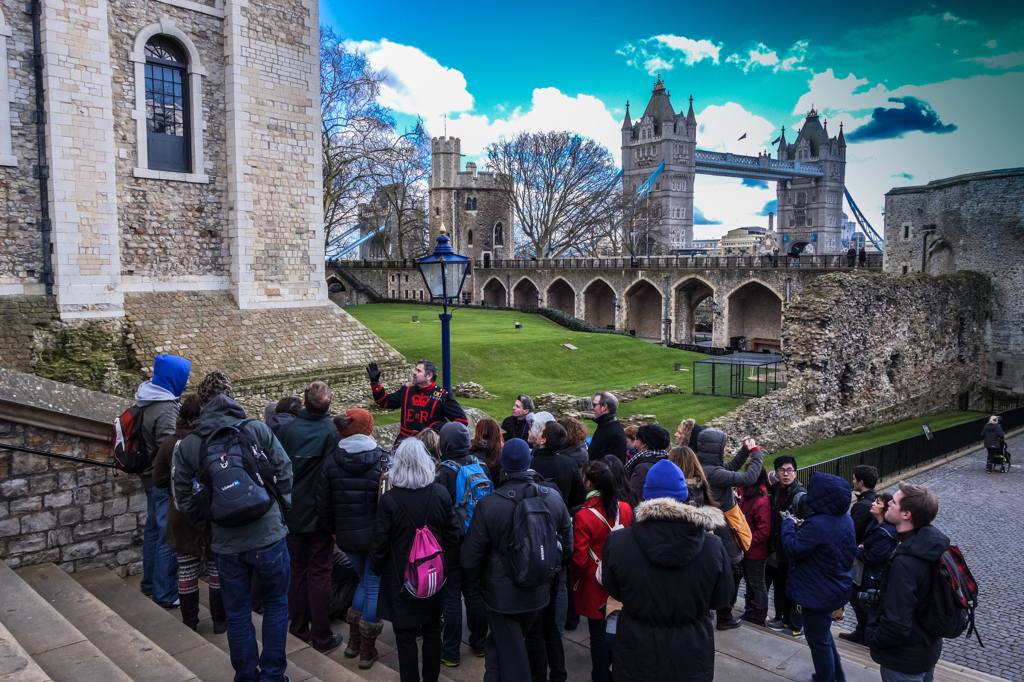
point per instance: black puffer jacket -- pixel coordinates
(669, 574)
(894, 634)
(993, 435)
(724, 476)
(697, 498)
(483, 547)
(346, 496)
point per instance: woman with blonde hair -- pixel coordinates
(994, 439)
(432, 442)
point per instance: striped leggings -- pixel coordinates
(188, 573)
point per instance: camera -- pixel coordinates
(868, 599)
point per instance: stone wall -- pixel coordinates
(867, 350)
(978, 223)
(74, 515)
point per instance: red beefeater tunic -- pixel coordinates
(422, 408)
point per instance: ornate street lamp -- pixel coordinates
(444, 273)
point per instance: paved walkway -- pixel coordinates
(982, 514)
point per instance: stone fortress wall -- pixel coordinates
(910, 347)
(978, 223)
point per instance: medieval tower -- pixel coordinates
(811, 209)
(661, 135)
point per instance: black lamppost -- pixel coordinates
(444, 273)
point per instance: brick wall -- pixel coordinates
(74, 515)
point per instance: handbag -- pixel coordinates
(858, 571)
(738, 524)
(593, 555)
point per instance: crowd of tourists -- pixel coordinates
(527, 527)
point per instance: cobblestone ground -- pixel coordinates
(982, 514)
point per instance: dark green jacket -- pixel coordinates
(222, 411)
(307, 439)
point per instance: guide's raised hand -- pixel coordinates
(374, 373)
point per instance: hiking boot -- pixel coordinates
(332, 645)
(368, 633)
(728, 624)
(850, 637)
(353, 617)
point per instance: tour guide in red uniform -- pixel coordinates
(425, 405)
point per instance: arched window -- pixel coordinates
(167, 106)
(499, 235)
(469, 237)
(7, 157)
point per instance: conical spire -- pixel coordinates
(627, 124)
(691, 120)
(842, 139)
(782, 140)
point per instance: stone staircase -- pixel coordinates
(94, 625)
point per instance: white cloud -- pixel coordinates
(416, 83)
(763, 56)
(550, 109)
(991, 44)
(949, 16)
(727, 200)
(1003, 61)
(841, 94)
(694, 51)
(720, 127)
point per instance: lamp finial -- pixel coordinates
(442, 230)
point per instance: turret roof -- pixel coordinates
(659, 107)
(626, 123)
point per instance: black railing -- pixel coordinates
(894, 458)
(56, 455)
(830, 262)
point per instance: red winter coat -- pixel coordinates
(590, 532)
(758, 512)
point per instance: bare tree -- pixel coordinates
(400, 199)
(642, 231)
(562, 188)
(358, 135)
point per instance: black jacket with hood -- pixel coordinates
(308, 440)
(561, 471)
(454, 445)
(346, 495)
(270, 528)
(860, 512)
(697, 498)
(894, 634)
(483, 548)
(669, 573)
(724, 476)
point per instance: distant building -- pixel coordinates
(743, 241)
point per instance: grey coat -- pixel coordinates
(724, 476)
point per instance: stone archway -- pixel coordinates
(690, 293)
(561, 296)
(754, 311)
(644, 310)
(524, 293)
(495, 293)
(599, 304)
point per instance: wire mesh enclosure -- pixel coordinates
(739, 375)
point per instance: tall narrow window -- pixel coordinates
(469, 237)
(167, 117)
(499, 235)
(7, 157)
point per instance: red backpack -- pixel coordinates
(949, 608)
(126, 436)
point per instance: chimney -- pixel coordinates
(771, 221)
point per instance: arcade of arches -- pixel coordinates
(560, 296)
(644, 310)
(525, 293)
(599, 302)
(689, 294)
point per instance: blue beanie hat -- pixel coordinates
(515, 455)
(665, 479)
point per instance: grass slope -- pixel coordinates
(845, 445)
(487, 349)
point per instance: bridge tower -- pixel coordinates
(810, 210)
(663, 135)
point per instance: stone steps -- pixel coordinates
(43, 643)
(15, 663)
(134, 653)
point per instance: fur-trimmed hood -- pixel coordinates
(672, 533)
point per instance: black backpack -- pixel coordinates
(948, 611)
(238, 481)
(533, 553)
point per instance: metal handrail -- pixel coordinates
(18, 448)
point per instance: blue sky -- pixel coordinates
(923, 90)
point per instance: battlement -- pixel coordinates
(445, 145)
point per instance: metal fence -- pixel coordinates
(893, 458)
(829, 262)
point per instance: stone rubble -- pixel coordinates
(468, 389)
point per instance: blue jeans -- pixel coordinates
(159, 562)
(456, 584)
(272, 566)
(365, 598)
(893, 676)
(828, 667)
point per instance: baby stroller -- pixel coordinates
(1000, 459)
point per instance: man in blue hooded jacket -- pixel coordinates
(159, 398)
(821, 550)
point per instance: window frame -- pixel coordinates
(7, 157)
(181, 68)
(196, 123)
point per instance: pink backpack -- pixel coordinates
(424, 574)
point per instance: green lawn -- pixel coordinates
(487, 349)
(845, 445)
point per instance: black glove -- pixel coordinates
(374, 373)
